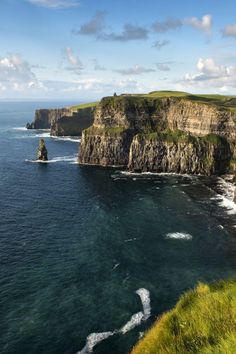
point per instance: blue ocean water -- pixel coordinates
(77, 242)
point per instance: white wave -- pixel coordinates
(67, 138)
(39, 161)
(20, 128)
(228, 204)
(38, 135)
(226, 186)
(128, 173)
(179, 236)
(134, 321)
(145, 298)
(130, 239)
(138, 317)
(93, 339)
(115, 266)
(72, 158)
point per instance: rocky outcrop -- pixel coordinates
(64, 121)
(160, 134)
(42, 152)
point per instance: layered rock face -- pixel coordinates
(162, 135)
(72, 124)
(44, 118)
(64, 121)
(190, 155)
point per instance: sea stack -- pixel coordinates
(42, 151)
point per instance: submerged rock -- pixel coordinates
(42, 151)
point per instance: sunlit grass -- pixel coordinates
(203, 321)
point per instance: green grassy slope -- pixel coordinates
(221, 101)
(84, 105)
(202, 322)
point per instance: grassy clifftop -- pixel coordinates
(202, 322)
(84, 105)
(220, 101)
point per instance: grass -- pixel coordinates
(152, 99)
(84, 105)
(105, 130)
(202, 322)
(180, 136)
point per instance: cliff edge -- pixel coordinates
(68, 121)
(163, 132)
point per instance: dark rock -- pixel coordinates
(42, 151)
(28, 126)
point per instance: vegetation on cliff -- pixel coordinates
(84, 105)
(203, 321)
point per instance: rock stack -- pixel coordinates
(42, 151)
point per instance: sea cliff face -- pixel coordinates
(44, 118)
(73, 123)
(170, 134)
(64, 121)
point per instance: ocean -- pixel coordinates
(90, 257)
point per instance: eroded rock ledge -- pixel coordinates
(186, 134)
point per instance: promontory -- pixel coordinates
(163, 131)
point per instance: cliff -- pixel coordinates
(163, 132)
(65, 121)
(72, 124)
(44, 118)
(203, 321)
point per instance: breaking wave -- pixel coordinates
(67, 138)
(135, 320)
(93, 339)
(71, 159)
(179, 236)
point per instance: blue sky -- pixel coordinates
(85, 49)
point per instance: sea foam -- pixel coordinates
(67, 138)
(93, 339)
(179, 236)
(71, 159)
(135, 320)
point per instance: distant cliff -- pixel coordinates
(163, 132)
(64, 121)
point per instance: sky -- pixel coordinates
(86, 49)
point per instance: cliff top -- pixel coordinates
(83, 106)
(203, 321)
(220, 101)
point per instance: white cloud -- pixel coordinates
(135, 70)
(204, 24)
(55, 4)
(75, 64)
(229, 31)
(16, 75)
(103, 87)
(211, 75)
